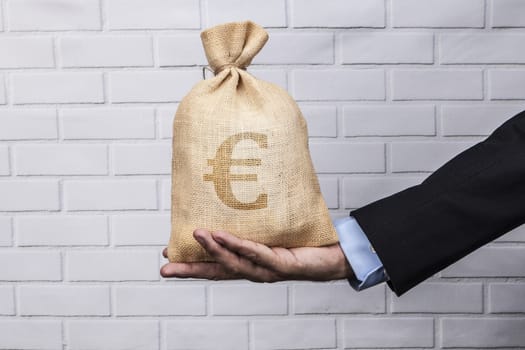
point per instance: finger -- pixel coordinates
(211, 271)
(233, 263)
(165, 253)
(258, 253)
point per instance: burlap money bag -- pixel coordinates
(241, 161)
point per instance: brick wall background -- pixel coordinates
(391, 89)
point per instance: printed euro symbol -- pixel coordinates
(222, 178)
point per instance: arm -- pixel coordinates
(476, 197)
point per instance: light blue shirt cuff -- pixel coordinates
(365, 263)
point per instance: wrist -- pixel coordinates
(345, 270)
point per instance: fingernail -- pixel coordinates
(199, 238)
(218, 239)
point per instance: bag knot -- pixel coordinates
(233, 44)
(226, 66)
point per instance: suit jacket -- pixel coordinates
(471, 200)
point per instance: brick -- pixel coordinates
(340, 13)
(330, 191)
(63, 230)
(166, 194)
(424, 156)
(27, 52)
(450, 84)
(181, 50)
(488, 48)
(490, 262)
(166, 117)
(389, 332)
(320, 119)
(365, 48)
(6, 233)
(141, 229)
(206, 334)
(294, 333)
(506, 297)
(165, 86)
(112, 265)
(63, 300)
(159, 300)
(516, 235)
(14, 122)
(328, 298)
(359, 191)
(479, 120)
(2, 90)
(44, 334)
(252, 299)
(303, 48)
(112, 335)
(106, 51)
(276, 76)
(482, 332)
(28, 15)
(22, 195)
(506, 84)
(142, 158)
(57, 87)
(153, 14)
(4, 160)
(110, 195)
(358, 157)
(337, 84)
(508, 13)
(441, 298)
(61, 159)
(389, 120)
(108, 123)
(31, 265)
(268, 13)
(438, 13)
(7, 301)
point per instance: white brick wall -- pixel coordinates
(152, 14)
(65, 159)
(27, 52)
(206, 334)
(6, 233)
(110, 51)
(249, 300)
(61, 230)
(59, 87)
(14, 124)
(160, 300)
(112, 334)
(407, 332)
(269, 13)
(390, 90)
(44, 334)
(59, 300)
(53, 15)
(4, 160)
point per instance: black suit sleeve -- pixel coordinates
(474, 198)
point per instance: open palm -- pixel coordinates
(237, 258)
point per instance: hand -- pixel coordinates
(243, 259)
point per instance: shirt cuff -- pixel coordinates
(365, 263)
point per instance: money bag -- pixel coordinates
(241, 161)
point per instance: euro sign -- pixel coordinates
(222, 178)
